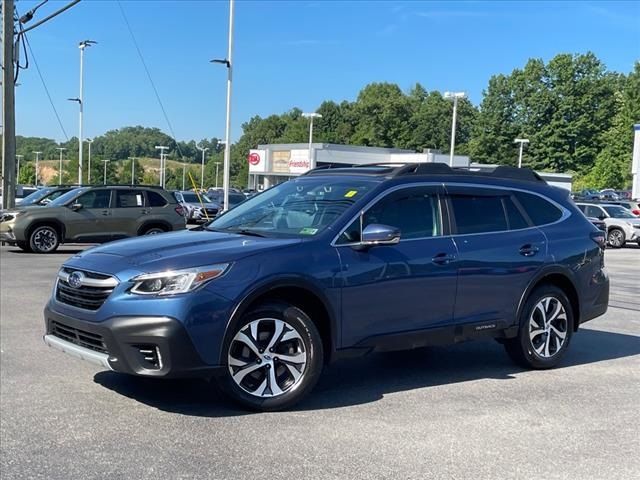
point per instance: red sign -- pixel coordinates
(254, 158)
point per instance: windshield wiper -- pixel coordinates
(244, 231)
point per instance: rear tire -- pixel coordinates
(281, 348)
(154, 230)
(44, 239)
(546, 326)
(616, 238)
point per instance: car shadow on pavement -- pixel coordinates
(368, 379)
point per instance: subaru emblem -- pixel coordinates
(75, 279)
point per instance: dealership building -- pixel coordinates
(276, 163)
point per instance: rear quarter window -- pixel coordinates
(540, 211)
(155, 199)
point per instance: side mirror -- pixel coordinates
(76, 206)
(376, 234)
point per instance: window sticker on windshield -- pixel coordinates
(350, 193)
(308, 231)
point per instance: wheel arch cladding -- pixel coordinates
(155, 223)
(300, 297)
(51, 222)
(566, 285)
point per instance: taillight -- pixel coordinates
(600, 238)
(180, 210)
(636, 212)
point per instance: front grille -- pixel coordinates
(87, 297)
(82, 338)
(212, 211)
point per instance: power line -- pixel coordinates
(144, 64)
(44, 84)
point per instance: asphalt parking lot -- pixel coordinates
(458, 412)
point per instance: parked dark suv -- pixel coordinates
(92, 214)
(337, 263)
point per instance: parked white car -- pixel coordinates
(622, 225)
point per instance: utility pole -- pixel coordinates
(203, 150)
(89, 141)
(311, 116)
(227, 146)
(37, 160)
(18, 158)
(521, 141)
(8, 108)
(60, 149)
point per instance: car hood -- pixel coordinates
(168, 251)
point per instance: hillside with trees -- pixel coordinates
(578, 115)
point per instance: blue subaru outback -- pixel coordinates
(338, 262)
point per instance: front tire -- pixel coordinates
(616, 238)
(44, 239)
(546, 326)
(154, 230)
(274, 358)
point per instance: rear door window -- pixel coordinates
(478, 213)
(129, 198)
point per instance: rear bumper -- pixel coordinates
(601, 302)
(125, 344)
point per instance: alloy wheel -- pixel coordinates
(616, 238)
(267, 358)
(45, 239)
(548, 327)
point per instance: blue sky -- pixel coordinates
(292, 54)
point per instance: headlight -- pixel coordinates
(8, 216)
(174, 282)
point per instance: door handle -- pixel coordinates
(528, 250)
(443, 258)
(145, 211)
(106, 213)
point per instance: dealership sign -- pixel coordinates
(254, 158)
(257, 161)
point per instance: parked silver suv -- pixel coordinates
(622, 225)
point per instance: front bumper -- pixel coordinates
(144, 346)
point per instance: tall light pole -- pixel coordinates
(311, 116)
(82, 45)
(89, 141)
(184, 166)
(203, 150)
(162, 162)
(104, 178)
(8, 105)
(521, 141)
(37, 160)
(133, 169)
(60, 149)
(227, 146)
(18, 157)
(455, 96)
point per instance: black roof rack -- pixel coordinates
(402, 169)
(137, 185)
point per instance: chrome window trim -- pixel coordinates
(565, 213)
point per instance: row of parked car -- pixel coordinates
(607, 194)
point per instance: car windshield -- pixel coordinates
(619, 212)
(191, 197)
(300, 207)
(64, 199)
(36, 196)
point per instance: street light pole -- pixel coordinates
(104, 178)
(162, 163)
(37, 160)
(133, 169)
(217, 165)
(227, 134)
(521, 141)
(455, 96)
(89, 141)
(18, 157)
(60, 149)
(184, 166)
(311, 116)
(82, 45)
(203, 150)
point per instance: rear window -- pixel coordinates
(155, 199)
(540, 211)
(478, 214)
